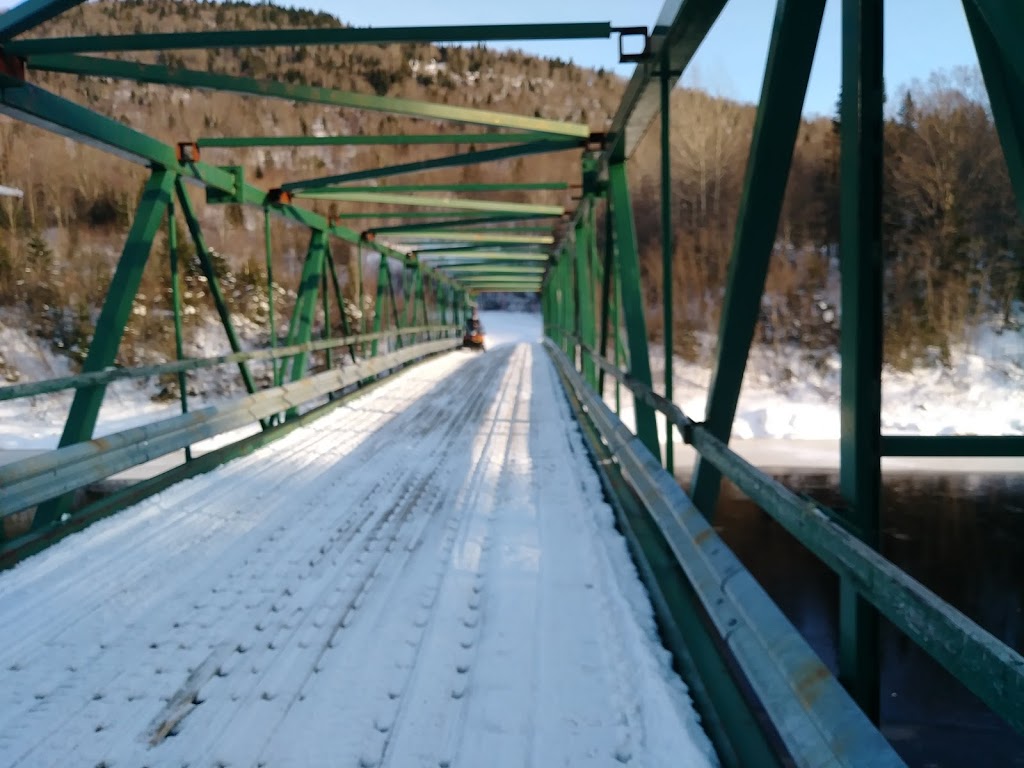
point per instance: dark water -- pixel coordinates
(962, 536)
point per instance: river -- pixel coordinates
(961, 535)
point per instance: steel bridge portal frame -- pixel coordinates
(582, 259)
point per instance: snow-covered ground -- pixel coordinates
(426, 576)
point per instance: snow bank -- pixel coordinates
(975, 395)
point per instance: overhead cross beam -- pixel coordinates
(537, 186)
(228, 142)
(480, 256)
(445, 223)
(493, 237)
(455, 203)
(189, 78)
(450, 161)
(31, 14)
(259, 38)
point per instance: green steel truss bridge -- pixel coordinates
(763, 696)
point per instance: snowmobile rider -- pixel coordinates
(473, 326)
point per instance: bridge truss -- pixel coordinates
(575, 244)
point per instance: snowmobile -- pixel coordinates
(474, 340)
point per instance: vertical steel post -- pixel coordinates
(667, 251)
(179, 344)
(394, 307)
(300, 327)
(620, 357)
(211, 280)
(790, 54)
(860, 252)
(632, 301)
(326, 333)
(383, 275)
(606, 289)
(111, 324)
(339, 298)
(359, 295)
(585, 290)
(270, 288)
(596, 282)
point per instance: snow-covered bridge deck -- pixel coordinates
(428, 576)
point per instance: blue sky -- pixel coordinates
(922, 36)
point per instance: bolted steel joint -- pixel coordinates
(11, 66)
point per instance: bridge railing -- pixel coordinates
(809, 712)
(987, 667)
(27, 485)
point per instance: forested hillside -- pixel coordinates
(953, 236)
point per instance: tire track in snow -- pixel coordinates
(449, 592)
(439, 683)
(68, 686)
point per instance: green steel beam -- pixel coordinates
(496, 279)
(326, 330)
(36, 106)
(529, 186)
(527, 266)
(953, 445)
(441, 265)
(607, 295)
(300, 329)
(508, 230)
(498, 276)
(441, 246)
(179, 341)
(470, 254)
(585, 297)
(327, 183)
(403, 215)
(443, 224)
(794, 38)
(1005, 22)
(383, 278)
(339, 299)
(206, 264)
(489, 236)
(860, 338)
(633, 309)
(228, 142)
(667, 253)
(463, 204)
(1004, 86)
(259, 38)
(503, 286)
(270, 286)
(110, 326)
(187, 78)
(30, 14)
(678, 32)
(681, 27)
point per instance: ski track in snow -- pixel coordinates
(427, 576)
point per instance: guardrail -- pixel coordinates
(27, 483)
(810, 712)
(49, 386)
(986, 666)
